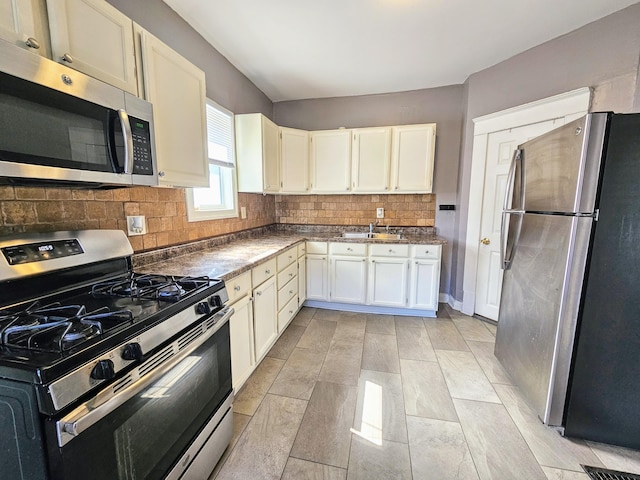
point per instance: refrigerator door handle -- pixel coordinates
(511, 181)
(507, 247)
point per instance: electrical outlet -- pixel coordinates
(380, 212)
(136, 225)
(243, 213)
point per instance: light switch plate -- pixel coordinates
(243, 212)
(136, 225)
(380, 212)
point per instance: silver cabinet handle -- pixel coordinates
(67, 58)
(32, 43)
(237, 288)
(161, 173)
(290, 292)
(267, 271)
(258, 293)
(349, 249)
(291, 275)
(390, 250)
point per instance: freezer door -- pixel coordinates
(561, 168)
(539, 305)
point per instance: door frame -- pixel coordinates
(576, 103)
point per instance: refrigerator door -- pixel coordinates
(539, 306)
(560, 169)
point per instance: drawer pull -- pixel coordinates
(290, 292)
(390, 250)
(259, 293)
(267, 271)
(349, 249)
(291, 274)
(237, 288)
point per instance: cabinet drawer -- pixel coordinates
(302, 249)
(389, 250)
(287, 292)
(358, 249)
(263, 272)
(238, 286)
(317, 248)
(287, 274)
(287, 313)
(287, 258)
(427, 251)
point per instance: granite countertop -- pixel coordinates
(233, 254)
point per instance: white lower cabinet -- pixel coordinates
(317, 271)
(377, 277)
(348, 272)
(265, 320)
(302, 273)
(388, 278)
(425, 276)
(241, 335)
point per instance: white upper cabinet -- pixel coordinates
(95, 38)
(330, 161)
(294, 160)
(177, 90)
(371, 159)
(21, 23)
(257, 157)
(413, 158)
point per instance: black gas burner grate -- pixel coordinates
(56, 327)
(596, 473)
(150, 287)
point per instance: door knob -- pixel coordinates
(485, 241)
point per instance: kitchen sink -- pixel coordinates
(376, 236)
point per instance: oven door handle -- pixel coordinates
(91, 412)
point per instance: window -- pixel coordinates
(220, 200)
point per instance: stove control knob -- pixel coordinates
(203, 308)
(104, 370)
(215, 301)
(132, 351)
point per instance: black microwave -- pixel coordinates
(61, 127)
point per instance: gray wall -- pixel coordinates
(604, 55)
(225, 84)
(443, 105)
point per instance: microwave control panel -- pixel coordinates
(140, 131)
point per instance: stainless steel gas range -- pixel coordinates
(106, 373)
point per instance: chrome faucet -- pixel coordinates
(370, 228)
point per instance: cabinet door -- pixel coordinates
(330, 161)
(388, 279)
(425, 283)
(265, 317)
(242, 349)
(294, 160)
(413, 158)
(95, 38)
(257, 145)
(271, 159)
(21, 25)
(302, 280)
(347, 279)
(371, 159)
(177, 90)
(317, 277)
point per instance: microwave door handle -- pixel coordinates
(128, 141)
(90, 413)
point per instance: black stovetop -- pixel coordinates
(56, 333)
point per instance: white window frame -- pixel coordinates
(231, 211)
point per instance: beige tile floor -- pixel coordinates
(359, 396)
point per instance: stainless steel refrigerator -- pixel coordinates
(569, 322)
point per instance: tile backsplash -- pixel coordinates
(43, 209)
(399, 210)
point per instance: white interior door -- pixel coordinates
(500, 147)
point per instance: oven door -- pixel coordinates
(157, 423)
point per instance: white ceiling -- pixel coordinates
(296, 49)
